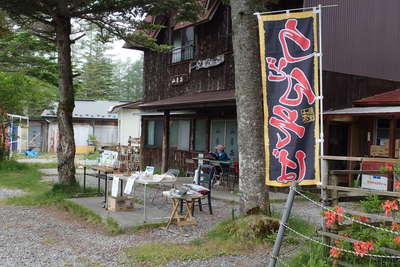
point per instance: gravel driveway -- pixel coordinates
(31, 236)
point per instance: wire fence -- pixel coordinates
(352, 219)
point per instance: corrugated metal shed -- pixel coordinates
(88, 109)
(361, 37)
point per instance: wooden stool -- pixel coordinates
(187, 218)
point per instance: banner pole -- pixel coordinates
(284, 220)
(293, 9)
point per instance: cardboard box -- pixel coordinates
(120, 203)
(382, 151)
(379, 151)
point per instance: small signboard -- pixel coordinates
(374, 182)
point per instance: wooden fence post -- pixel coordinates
(324, 198)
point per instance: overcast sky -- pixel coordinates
(123, 54)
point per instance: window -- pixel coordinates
(154, 135)
(200, 135)
(225, 132)
(179, 136)
(183, 41)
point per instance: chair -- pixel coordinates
(206, 177)
(190, 165)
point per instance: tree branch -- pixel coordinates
(77, 38)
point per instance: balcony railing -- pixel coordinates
(182, 53)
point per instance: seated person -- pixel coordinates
(222, 156)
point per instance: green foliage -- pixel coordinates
(80, 211)
(227, 238)
(130, 79)
(22, 94)
(310, 256)
(146, 227)
(372, 204)
(23, 177)
(92, 155)
(23, 52)
(112, 227)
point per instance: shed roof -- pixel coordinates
(363, 111)
(391, 98)
(87, 109)
(129, 105)
(197, 100)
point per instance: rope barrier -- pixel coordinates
(341, 249)
(347, 217)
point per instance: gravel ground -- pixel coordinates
(46, 237)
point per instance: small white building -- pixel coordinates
(129, 121)
(92, 121)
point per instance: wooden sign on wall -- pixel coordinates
(179, 79)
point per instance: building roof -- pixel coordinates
(360, 111)
(391, 98)
(87, 109)
(129, 105)
(197, 100)
(206, 13)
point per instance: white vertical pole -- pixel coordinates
(321, 102)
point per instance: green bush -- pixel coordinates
(372, 204)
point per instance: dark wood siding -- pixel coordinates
(361, 37)
(340, 90)
(211, 39)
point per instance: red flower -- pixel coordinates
(395, 226)
(338, 242)
(397, 240)
(361, 248)
(389, 207)
(345, 234)
(397, 185)
(334, 253)
(339, 212)
(388, 167)
(330, 218)
(363, 219)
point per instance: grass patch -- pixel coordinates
(227, 238)
(15, 175)
(311, 255)
(92, 155)
(112, 227)
(146, 227)
(79, 211)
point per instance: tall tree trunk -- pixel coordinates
(66, 147)
(254, 196)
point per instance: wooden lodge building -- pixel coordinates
(194, 84)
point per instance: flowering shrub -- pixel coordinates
(390, 207)
(397, 239)
(395, 226)
(335, 253)
(397, 185)
(361, 248)
(331, 217)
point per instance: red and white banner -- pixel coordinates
(289, 61)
